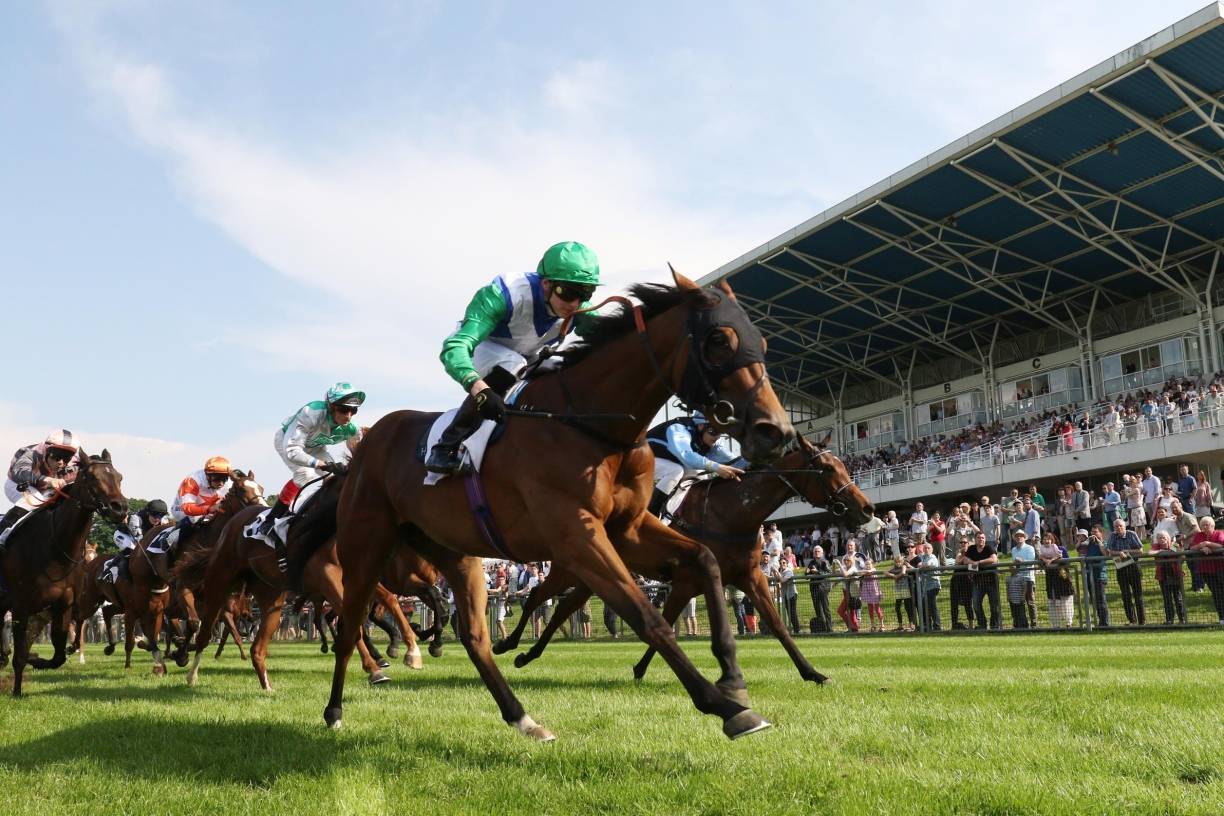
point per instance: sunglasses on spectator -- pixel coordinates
(573, 292)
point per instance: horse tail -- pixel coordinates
(192, 567)
(313, 529)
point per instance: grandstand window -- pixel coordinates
(950, 414)
(1040, 392)
(1151, 365)
(875, 432)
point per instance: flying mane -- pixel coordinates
(598, 330)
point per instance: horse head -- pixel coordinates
(97, 487)
(725, 374)
(823, 481)
(244, 490)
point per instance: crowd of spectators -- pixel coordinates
(1181, 403)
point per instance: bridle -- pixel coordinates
(834, 503)
(98, 505)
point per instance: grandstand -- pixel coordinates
(1059, 257)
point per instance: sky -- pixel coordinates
(211, 212)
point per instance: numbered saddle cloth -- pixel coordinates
(281, 527)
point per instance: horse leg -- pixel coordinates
(78, 638)
(441, 612)
(59, 641)
(570, 604)
(271, 601)
(210, 603)
(152, 624)
(322, 627)
(381, 622)
(756, 587)
(412, 651)
(537, 596)
(129, 641)
(368, 643)
(21, 648)
(599, 567)
(225, 633)
(701, 566)
(108, 622)
(676, 600)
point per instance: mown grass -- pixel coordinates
(1073, 723)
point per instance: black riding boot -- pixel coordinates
(123, 571)
(445, 456)
(267, 528)
(658, 503)
(10, 518)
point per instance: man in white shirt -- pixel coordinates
(773, 540)
(1151, 491)
(918, 520)
(1023, 554)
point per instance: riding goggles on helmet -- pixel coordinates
(573, 292)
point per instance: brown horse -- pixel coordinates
(408, 574)
(39, 568)
(145, 594)
(237, 559)
(237, 607)
(725, 515)
(573, 492)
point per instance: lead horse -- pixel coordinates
(39, 568)
(726, 516)
(573, 492)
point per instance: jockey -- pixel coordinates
(200, 492)
(126, 535)
(688, 446)
(37, 473)
(302, 444)
(506, 323)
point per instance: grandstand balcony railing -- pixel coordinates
(1033, 445)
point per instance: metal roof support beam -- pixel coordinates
(989, 274)
(1058, 217)
(883, 311)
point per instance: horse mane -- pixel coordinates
(598, 330)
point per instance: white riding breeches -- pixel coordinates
(667, 475)
(30, 499)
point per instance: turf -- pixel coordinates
(1073, 723)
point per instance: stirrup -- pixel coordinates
(444, 459)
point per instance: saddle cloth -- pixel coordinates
(5, 535)
(474, 447)
(281, 527)
(164, 541)
(676, 499)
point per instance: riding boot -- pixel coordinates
(445, 457)
(658, 502)
(6, 523)
(124, 572)
(267, 529)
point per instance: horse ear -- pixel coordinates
(237, 476)
(681, 281)
(105, 455)
(82, 455)
(726, 287)
(824, 443)
(251, 475)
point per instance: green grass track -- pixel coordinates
(1128, 723)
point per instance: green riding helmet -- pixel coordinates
(570, 262)
(343, 393)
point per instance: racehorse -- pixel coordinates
(237, 607)
(145, 594)
(39, 566)
(573, 492)
(726, 516)
(238, 559)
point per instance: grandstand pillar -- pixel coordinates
(907, 408)
(1087, 359)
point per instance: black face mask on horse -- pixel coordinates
(702, 375)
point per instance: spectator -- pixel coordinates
(1151, 487)
(1139, 521)
(1110, 501)
(1169, 576)
(1202, 496)
(929, 586)
(1081, 503)
(1039, 502)
(1065, 516)
(1185, 486)
(892, 532)
(961, 590)
(1060, 593)
(1091, 548)
(773, 540)
(735, 600)
(848, 609)
(1017, 592)
(790, 596)
(981, 560)
(1032, 520)
(937, 535)
(1208, 545)
(903, 594)
(990, 525)
(1124, 547)
(1022, 554)
(870, 594)
(818, 584)
(1132, 494)
(1164, 524)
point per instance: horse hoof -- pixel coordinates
(435, 650)
(383, 663)
(521, 660)
(109, 650)
(393, 651)
(191, 679)
(501, 647)
(530, 728)
(323, 648)
(159, 671)
(378, 678)
(739, 696)
(331, 716)
(413, 660)
(817, 678)
(639, 674)
(744, 723)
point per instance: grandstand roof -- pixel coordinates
(1099, 191)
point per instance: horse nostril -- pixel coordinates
(769, 435)
(118, 507)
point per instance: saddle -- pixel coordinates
(281, 527)
(474, 446)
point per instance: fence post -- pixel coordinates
(920, 600)
(1086, 605)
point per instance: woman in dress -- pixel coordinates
(1060, 592)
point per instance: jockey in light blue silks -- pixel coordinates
(689, 446)
(506, 324)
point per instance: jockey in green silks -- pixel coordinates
(506, 324)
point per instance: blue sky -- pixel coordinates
(210, 213)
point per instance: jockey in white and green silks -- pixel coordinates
(506, 324)
(302, 442)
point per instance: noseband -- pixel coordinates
(697, 382)
(834, 502)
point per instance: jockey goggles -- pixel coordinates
(573, 292)
(59, 455)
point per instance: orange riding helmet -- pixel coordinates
(217, 466)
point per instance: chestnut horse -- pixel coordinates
(237, 560)
(573, 492)
(40, 566)
(145, 595)
(726, 516)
